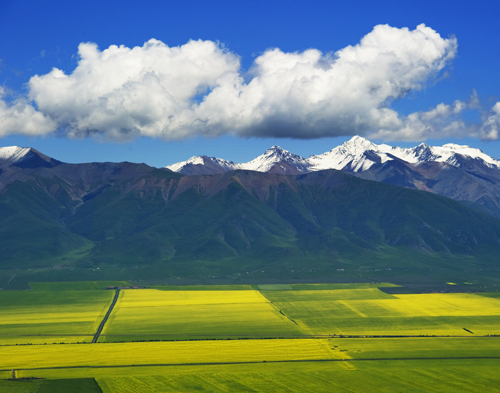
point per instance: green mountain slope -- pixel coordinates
(135, 217)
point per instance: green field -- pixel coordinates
(370, 365)
(380, 376)
(78, 285)
(203, 287)
(317, 287)
(372, 312)
(151, 314)
(39, 317)
(265, 338)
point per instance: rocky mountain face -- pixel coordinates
(124, 214)
(459, 172)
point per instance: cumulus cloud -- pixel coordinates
(199, 89)
(122, 92)
(309, 94)
(490, 128)
(445, 121)
(19, 117)
(439, 122)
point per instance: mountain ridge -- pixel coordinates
(459, 172)
(138, 220)
(353, 153)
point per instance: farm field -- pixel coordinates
(370, 311)
(40, 317)
(366, 363)
(313, 377)
(151, 314)
(263, 338)
(177, 352)
(379, 376)
(245, 351)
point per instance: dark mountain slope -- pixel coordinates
(133, 215)
(478, 186)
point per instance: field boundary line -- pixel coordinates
(277, 308)
(256, 362)
(103, 322)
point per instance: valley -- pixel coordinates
(120, 277)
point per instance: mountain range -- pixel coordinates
(458, 172)
(138, 219)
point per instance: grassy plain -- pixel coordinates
(40, 317)
(169, 315)
(372, 312)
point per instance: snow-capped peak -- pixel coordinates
(195, 160)
(355, 155)
(278, 153)
(203, 165)
(12, 154)
(415, 154)
(358, 144)
(449, 153)
(272, 156)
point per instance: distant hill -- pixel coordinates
(133, 216)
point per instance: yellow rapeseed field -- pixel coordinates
(169, 315)
(381, 314)
(181, 352)
(156, 298)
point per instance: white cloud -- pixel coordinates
(20, 117)
(200, 89)
(439, 122)
(490, 128)
(122, 92)
(445, 121)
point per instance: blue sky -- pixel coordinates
(38, 36)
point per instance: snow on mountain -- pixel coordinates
(13, 154)
(359, 154)
(352, 154)
(203, 165)
(263, 163)
(356, 155)
(448, 153)
(276, 155)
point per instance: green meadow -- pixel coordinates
(151, 314)
(375, 376)
(370, 311)
(46, 317)
(262, 338)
